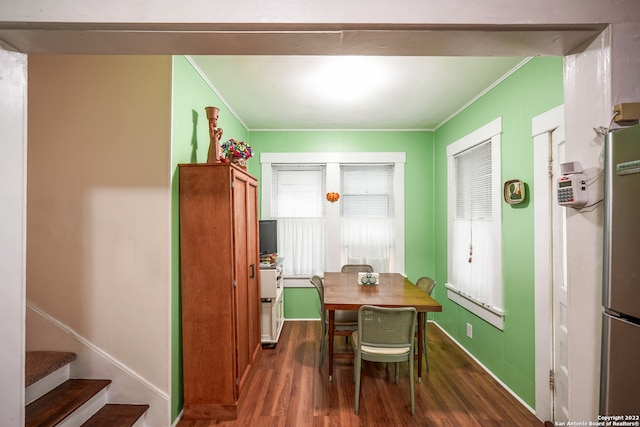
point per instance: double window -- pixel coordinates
(365, 226)
(474, 229)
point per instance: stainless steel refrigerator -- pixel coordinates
(620, 371)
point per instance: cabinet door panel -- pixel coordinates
(242, 275)
(255, 341)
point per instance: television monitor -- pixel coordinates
(268, 229)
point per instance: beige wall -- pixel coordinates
(98, 203)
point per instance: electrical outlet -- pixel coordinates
(469, 330)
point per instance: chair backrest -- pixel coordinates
(386, 327)
(317, 282)
(356, 268)
(426, 284)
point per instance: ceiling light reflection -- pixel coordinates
(346, 79)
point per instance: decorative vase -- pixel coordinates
(239, 161)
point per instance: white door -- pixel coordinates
(560, 353)
(551, 316)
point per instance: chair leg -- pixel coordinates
(397, 371)
(424, 344)
(356, 371)
(411, 385)
(323, 345)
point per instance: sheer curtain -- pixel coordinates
(368, 241)
(472, 259)
(301, 242)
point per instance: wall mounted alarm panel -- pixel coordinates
(572, 190)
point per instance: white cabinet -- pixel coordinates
(272, 301)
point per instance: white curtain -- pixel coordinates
(368, 241)
(472, 259)
(301, 241)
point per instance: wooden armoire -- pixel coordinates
(219, 267)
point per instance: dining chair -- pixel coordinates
(384, 335)
(356, 268)
(426, 284)
(345, 322)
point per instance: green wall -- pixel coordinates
(509, 354)
(190, 144)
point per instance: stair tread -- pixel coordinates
(56, 405)
(39, 364)
(116, 415)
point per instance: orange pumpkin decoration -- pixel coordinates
(333, 197)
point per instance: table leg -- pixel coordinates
(420, 346)
(332, 321)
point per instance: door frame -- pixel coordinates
(541, 126)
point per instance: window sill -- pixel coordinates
(492, 315)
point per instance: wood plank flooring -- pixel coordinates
(289, 390)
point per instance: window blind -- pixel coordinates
(367, 190)
(473, 183)
(298, 191)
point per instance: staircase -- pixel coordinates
(53, 399)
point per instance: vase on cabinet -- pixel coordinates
(239, 161)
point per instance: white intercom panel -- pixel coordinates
(572, 190)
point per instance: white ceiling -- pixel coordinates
(380, 92)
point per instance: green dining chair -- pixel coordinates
(356, 268)
(426, 284)
(384, 335)
(345, 320)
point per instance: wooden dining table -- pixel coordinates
(343, 292)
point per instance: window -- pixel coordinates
(474, 232)
(322, 236)
(367, 219)
(297, 203)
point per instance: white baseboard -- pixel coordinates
(127, 386)
(529, 408)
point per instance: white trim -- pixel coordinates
(479, 135)
(13, 229)
(178, 418)
(341, 157)
(343, 130)
(522, 402)
(547, 121)
(492, 130)
(491, 315)
(398, 158)
(541, 125)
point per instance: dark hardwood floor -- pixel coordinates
(288, 390)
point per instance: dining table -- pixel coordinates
(343, 291)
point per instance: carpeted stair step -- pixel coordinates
(39, 364)
(112, 415)
(62, 401)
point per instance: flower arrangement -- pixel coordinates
(236, 149)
